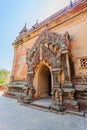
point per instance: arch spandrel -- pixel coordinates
(48, 47)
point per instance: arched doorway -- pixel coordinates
(44, 83)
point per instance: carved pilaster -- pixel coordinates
(55, 80)
(30, 90)
(69, 91)
(66, 67)
(30, 78)
(56, 91)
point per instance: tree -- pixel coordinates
(4, 75)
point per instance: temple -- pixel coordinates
(50, 60)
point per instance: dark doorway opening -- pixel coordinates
(44, 82)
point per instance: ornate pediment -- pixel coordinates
(48, 47)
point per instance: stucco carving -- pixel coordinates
(52, 49)
(30, 90)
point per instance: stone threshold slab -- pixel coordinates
(41, 108)
(53, 111)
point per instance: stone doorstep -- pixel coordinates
(41, 108)
(34, 106)
(46, 109)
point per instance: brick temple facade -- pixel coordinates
(50, 59)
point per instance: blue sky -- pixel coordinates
(14, 14)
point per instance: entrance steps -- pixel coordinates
(42, 103)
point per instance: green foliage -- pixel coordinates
(4, 75)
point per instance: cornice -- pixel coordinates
(67, 15)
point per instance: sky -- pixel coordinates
(14, 14)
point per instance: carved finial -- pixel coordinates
(24, 29)
(35, 25)
(71, 3)
(25, 24)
